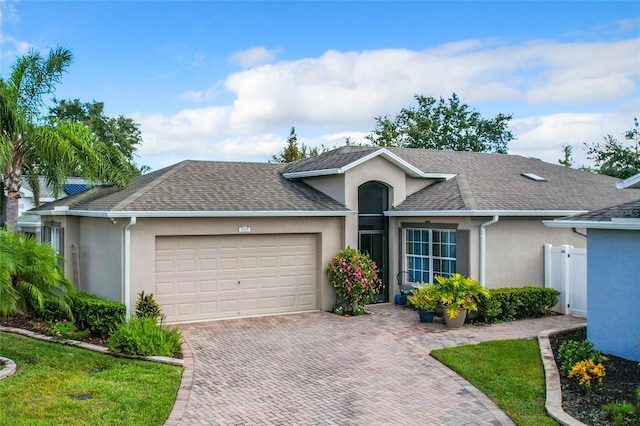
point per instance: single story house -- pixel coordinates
(613, 274)
(216, 240)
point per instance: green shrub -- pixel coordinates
(355, 277)
(99, 316)
(146, 307)
(623, 414)
(144, 336)
(67, 330)
(572, 352)
(509, 304)
(30, 274)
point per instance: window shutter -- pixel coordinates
(462, 251)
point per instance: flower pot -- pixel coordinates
(400, 299)
(456, 322)
(425, 316)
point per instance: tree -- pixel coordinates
(567, 151)
(291, 152)
(613, 158)
(120, 133)
(33, 146)
(448, 125)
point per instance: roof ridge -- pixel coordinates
(170, 171)
(465, 192)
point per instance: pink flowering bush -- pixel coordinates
(355, 277)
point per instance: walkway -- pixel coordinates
(321, 369)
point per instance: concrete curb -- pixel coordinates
(553, 402)
(9, 367)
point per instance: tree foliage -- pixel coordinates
(33, 145)
(441, 124)
(567, 160)
(292, 151)
(120, 133)
(614, 158)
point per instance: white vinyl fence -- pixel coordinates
(565, 269)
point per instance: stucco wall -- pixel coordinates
(143, 237)
(515, 250)
(99, 243)
(613, 291)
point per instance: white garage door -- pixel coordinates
(225, 276)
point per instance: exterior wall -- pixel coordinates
(395, 243)
(613, 291)
(379, 170)
(333, 186)
(515, 250)
(99, 243)
(143, 240)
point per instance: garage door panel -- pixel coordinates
(211, 277)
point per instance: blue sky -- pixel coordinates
(227, 80)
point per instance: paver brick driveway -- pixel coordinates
(321, 369)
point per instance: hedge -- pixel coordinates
(509, 304)
(99, 316)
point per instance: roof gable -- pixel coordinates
(341, 160)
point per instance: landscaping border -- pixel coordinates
(553, 402)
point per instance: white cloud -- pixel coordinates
(543, 136)
(560, 93)
(254, 56)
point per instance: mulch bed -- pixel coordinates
(620, 384)
(27, 322)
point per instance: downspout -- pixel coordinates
(575, 231)
(127, 264)
(483, 249)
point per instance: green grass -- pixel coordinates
(510, 372)
(49, 375)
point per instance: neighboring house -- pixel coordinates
(216, 240)
(29, 223)
(613, 274)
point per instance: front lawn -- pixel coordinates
(510, 372)
(56, 384)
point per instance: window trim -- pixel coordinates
(429, 258)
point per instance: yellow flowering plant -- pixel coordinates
(585, 371)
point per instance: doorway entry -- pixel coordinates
(373, 230)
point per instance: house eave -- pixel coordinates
(195, 214)
(594, 224)
(484, 213)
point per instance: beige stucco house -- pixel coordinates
(216, 240)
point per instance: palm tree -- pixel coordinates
(30, 274)
(33, 146)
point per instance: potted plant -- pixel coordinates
(425, 299)
(458, 294)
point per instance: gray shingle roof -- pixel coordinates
(495, 182)
(629, 210)
(203, 186)
(489, 181)
(483, 182)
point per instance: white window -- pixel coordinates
(53, 234)
(429, 253)
(54, 239)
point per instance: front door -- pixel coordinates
(373, 230)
